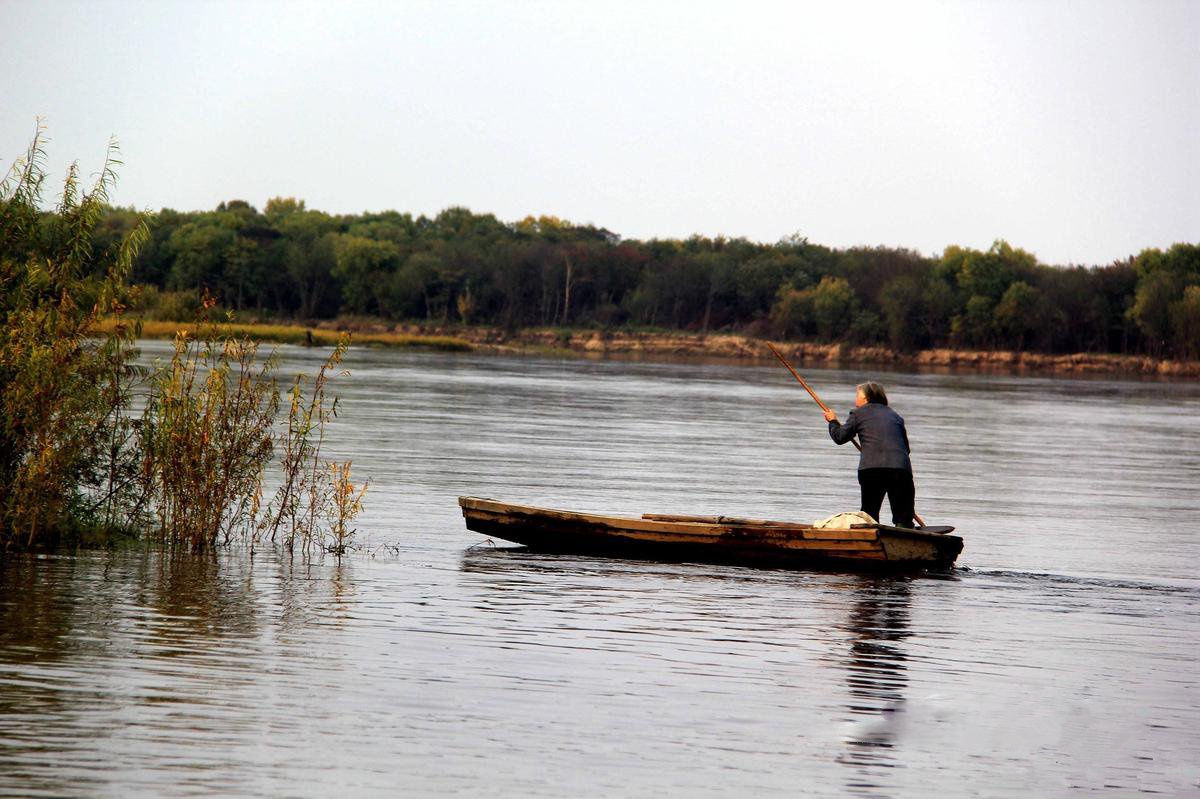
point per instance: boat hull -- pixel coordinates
(712, 539)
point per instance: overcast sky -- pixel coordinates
(1071, 129)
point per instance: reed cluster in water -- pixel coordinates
(190, 469)
(208, 433)
(206, 438)
(315, 496)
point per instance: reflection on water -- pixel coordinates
(102, 652)
(1060, 662)
(876, 678)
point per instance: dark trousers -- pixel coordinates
(897, 484)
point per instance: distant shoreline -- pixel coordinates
(588, 342)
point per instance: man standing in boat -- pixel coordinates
(884, 466)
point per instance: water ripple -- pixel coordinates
(1059, 661)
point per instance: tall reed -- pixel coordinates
(315, 499)
(63, 453)
(207, 437)
(209, 432)
(345, 505)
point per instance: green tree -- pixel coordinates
(1182, 261)
(828, 309)
(916, 310)
(1017, 314)
(976, 325)
(1185, 321)
(870, 269)
(987, 274)
(363, 267)
(792, 313)
(307, 257)
(414, 289)
(1162, 278)
(243, 272)
(154, 260)
(279, 207)
(200, 250)
(758, 279)
(1151, 308)
(834, 305)
(866, 327)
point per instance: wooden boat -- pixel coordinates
(715, 538)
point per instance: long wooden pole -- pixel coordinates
(807, 387)
(823, 406)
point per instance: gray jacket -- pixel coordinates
(880, 431)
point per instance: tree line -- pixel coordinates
(460, 267)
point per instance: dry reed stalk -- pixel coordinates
(302, 493)
(207, 437)
(346, 504)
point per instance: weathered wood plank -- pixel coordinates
(735, 520)
(614, 523)
(834, 546)
(679, 517)
(835, 533)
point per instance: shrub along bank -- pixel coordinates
(76, 463)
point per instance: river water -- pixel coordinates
(1060, 659)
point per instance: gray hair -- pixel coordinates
(873, 392)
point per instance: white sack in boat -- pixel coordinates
(842, 521)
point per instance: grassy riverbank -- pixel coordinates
(673, 344)
(315, 336)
